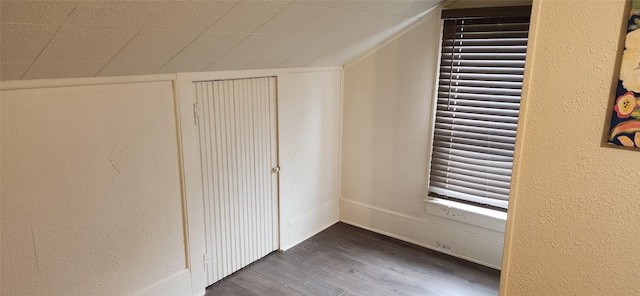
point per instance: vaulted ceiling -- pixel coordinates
(54, 39)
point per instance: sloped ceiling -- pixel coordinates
(55, 39)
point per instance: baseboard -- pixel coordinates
(479, 245)
(178, 284)
(309, 224)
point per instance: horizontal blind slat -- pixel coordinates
(491, 130)
(470, 97)
(481, 83)
(479, 110)
(510, 95)
(483, 56)
(482, 76)
(470, 156)
(439, 169)
(470, 186)
(457, 145)
(484, 35)
(481, 183)
(489, 69)
(483, 167)
(491, 127)
(460, 48)
(482, 135)
(474, 116)
(501, 26)
(478, 100)
(486, 145)
(483, 63)
(486, 41)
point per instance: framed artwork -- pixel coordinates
(625, 121)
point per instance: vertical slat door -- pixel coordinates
(238, 151)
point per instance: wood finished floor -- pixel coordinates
(344, 260)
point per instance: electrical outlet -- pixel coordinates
(443, 245)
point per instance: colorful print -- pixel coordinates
(625, 121)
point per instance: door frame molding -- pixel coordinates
(239, 96)
(189, 151)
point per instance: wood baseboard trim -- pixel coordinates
(311, 223)
(178, 284)
(465, 244)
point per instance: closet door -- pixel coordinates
(238, 155)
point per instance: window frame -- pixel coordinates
(471, 13)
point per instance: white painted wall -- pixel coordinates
(309, 105)
(388, 107)
(91, 194)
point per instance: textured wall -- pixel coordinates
(573, 219)
(90, 190)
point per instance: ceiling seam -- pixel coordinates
(196, 38)
(332, 47)
(41, 51)
(72, 10)
(310, 44)
(249, 35)
(140, 29)
(48, 42)
(119, 51)
(350, 9)
(288, 36)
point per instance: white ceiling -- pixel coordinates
(54, 39)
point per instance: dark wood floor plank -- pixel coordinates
(453, 286)
(344, 260)
(227, 288)
(428, 261)
(366, 282)
(278, 271)
(377, 276)
(326, 257)
(352, 283)
(371, 255)
(298, 279)
(296, 261)
(261, 285)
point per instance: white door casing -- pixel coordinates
(237, 129)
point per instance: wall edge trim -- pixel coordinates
(82, 81)
(178, 282)
(241, 74)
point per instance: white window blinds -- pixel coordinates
(481, 71)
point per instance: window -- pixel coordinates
(478, 101)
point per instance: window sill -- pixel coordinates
(468, 214)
